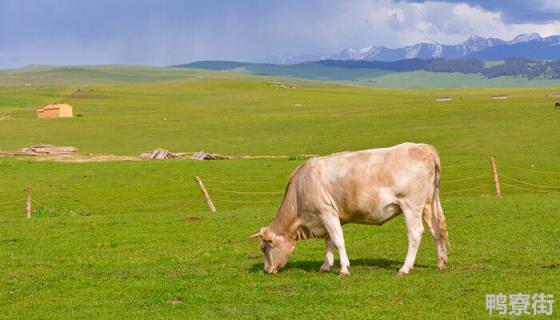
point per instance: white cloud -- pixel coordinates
(548, 5)
(397, 23)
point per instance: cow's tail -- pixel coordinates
(437, 209)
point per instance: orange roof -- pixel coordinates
(55, 106)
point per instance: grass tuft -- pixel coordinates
(51, 212)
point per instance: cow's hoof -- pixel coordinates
(325, 269)
(441, 265)
(345, 273)
(402, 273)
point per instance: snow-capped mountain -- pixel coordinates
(476, 43)
(530, 45)
(527, 37)
(293, 59)
(426, 50)
(357, 54)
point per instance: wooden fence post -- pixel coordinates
(29, 199)
(205, 194)
(496, 177)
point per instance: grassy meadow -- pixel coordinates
(134, 239)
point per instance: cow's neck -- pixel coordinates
(288, 224)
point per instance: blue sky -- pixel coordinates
(163, 32)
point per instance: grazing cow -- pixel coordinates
(366, 187)
(557, 105)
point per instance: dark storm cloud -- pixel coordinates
(156, 32)
(516, 11)
(164, 32)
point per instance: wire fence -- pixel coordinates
(510, 178)
(75, 198)
(531, 170)
(9, 204)
(528, 183)
(481, 183)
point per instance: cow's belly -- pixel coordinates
(378, 216)
(374, 206)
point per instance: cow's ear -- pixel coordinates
(267, 235)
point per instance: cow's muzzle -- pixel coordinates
(270, 270)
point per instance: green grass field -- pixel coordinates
(135, 239)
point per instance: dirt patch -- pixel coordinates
(475, 267)
(281, 85)
(177, 274)
(86, 158)
(46, 149)
(175, 301)
(549, 265)
(46, 152)
(251, 255)
(81, 93)
(16, 276)
(282, 289)
(192, 218)
(343, 113)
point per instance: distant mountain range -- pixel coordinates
(531, 46)
(527, 57)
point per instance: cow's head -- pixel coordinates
(276, 248)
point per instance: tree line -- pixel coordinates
(523, 67)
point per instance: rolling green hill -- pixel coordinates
(426, 80)
(310, 70)
(378, 77)
(82, 75)
(113, 74)
(77, 76)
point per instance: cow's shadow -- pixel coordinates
(313, 266)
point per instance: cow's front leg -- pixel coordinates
(332, 224)
(329, 259)
(414, 228)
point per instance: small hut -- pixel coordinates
(62, 110)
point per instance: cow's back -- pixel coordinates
(365, 186)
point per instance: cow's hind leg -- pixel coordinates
(433, 224)
(332, 224)
(329, 259)
(414, 228)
